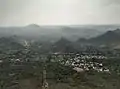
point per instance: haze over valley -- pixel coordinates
(45, 33)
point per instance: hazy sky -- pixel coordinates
(59, 12)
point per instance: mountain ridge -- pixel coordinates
(108, 38)
(73, 32)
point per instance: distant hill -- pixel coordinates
(63, 45)
(111, 38)
(117, 31)
(108, 37)
(62, 42)
(7, 44)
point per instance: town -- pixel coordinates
(27, 64)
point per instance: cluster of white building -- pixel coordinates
(81, 63)
(92, 56)
(77, 61)
(99, 67)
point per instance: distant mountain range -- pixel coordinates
(53, 33)
(16, 40)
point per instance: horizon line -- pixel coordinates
(57, 25)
